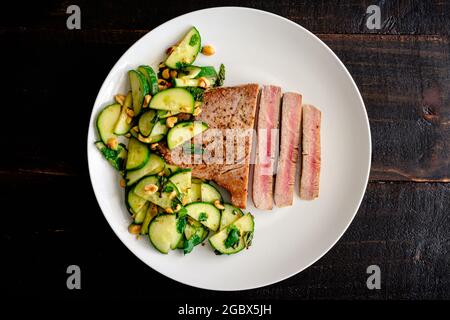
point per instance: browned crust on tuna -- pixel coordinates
(224, 108)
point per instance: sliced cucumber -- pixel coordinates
(194, 227)
(184, 131)
(186, 51)
(195, 193)
(189, 76)
(209, 193)
(146, 122)
(182, 180)
(180, 244)
(121, 157)
(194, 234)
(229, 215)
(191, 227)
(139, 89)
(217, 241)
(166, 113)
(185, 82)
(170, 169)
(245, 224)
(153, 166)
(107, 120)
(245, 227)
(134, 133)
(152, 211)
(163, 233)
(159, 130)
(116, 157)
(205, 213)
(139, 216)
(138, 154)
(151, 77)
(160, 198)
(190, 72)
(122, 126)
(182, 82)
(173, 99)
(133, 201)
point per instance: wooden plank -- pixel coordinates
(403, 79)
(404, 82)
(402, 227)
(347, 16)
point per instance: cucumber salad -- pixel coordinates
(175, 209)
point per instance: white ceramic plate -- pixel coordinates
(261, 47)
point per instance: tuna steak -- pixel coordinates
(310, 176)
(266, 147)
(226, 159)
(291, 115)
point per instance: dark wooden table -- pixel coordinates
(50, 218)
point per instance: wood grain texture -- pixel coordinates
(405, 84)
(402, 227)
(322, 16)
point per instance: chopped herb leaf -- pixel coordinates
(181, 224)
(233, 237)
(168, 188)
(181, 65)
(203, 216)
(113, 156)
(196, 92)
(119, 164)
(110, 154)
(194, 40)
(162, 180)
(191, 243)
(182, 213)
(220, 76)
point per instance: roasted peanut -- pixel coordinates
(218, 205)
(120, 98)
(173, 74)
(208, 50)
(166, 74)
(134, 228)
(203, 82)
(150, 188)
(130, 112)
(170, 121)
(197, 111)
(112, 143)
(147, 99)
(154, 145)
